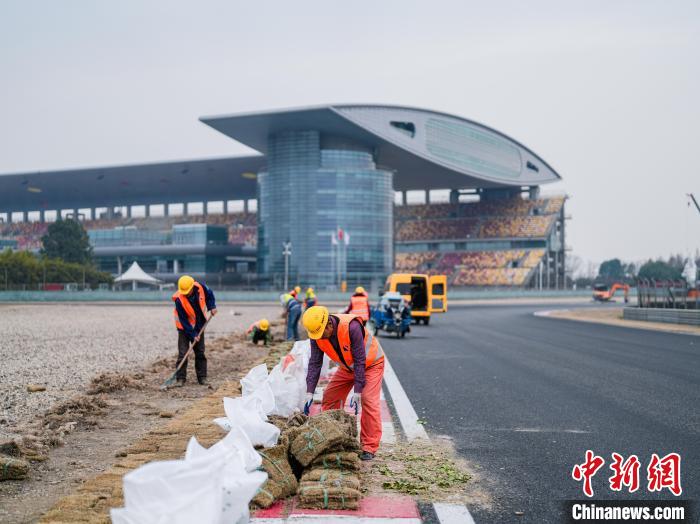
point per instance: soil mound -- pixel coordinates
(48, 430)
(110, 382)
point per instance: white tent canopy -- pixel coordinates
(136, 276)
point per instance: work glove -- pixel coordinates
(307, 404)
(356, 402)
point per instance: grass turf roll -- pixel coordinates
(320, 434)
(281, 482)
(317, 496)
(13, 468)
(344, 460)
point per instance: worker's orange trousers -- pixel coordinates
(371, 417)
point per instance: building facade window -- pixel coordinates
(306, 195)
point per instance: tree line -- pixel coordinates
(616, 270)
(66, 257)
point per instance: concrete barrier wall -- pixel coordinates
(689, 317)
(256, 296)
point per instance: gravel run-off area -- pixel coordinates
(63, 346)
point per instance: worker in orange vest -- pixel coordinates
(192, 301)
(359, 304)
(360, 357)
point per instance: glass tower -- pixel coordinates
(313, 187)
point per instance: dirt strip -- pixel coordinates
(613, 316)
(92, 501)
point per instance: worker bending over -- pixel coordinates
(258, 331)
(359, 304)
(292, 312)
(192, 301)
(361, 365)
(310, 300)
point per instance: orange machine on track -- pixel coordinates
(605, 292)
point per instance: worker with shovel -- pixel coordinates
(346, 341)
(192, 300)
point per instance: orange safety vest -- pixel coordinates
(373, 350)
(359, 306)
(191, 315)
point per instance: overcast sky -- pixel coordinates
(606, 92)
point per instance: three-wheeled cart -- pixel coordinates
(392, 315)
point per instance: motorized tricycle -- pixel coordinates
(392, 315)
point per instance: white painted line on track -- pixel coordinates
(446, 513)
(404, 408)
(452, 514)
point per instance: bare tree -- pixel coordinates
(591, 270)
(575, 266)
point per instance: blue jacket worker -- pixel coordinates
(292, 312)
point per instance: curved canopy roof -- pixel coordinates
(426, 149)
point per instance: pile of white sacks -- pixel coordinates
(215, 485)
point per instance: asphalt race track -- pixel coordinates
(524, 397)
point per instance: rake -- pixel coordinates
(172, 377)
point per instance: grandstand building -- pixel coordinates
(321, 170)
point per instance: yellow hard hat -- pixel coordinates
(185, 284)
(264, 324)
(315, 319)
(310, 290)
(360, 289)
(297, 289)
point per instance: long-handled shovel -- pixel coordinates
(172, 377)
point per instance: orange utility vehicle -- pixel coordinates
(426, 294)
(605, 292)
